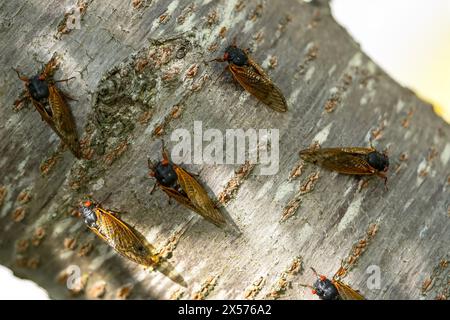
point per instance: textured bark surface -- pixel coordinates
(139, 75)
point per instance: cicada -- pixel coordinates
(179, 184)
(253, 78)
(126, 240)
(51, 103)
(333, 289)
(352, 160)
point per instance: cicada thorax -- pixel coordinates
(125, 239)
(253, 78)
(38, 89)
(236, 56)
(325, 289)
(378, 161)
(88, 214)
(51, 103)
(180, 185)
(164, 173)
(167, 177)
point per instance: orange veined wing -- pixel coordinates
(48, 117)
(131, 244)
(349, 164)
(181, 198)
(315, 154)
(124, 239)
(63, 121)
(356, 150)
(342, 160)
(346, 292)
(256, 82)
(199, 197)
(43, 112)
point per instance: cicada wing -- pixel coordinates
(199, 197)
(63, 121)
(349, 164)
(44, 113)
(316, 154)
(132, 244)
(124, 239)
(356, 150)
(346, 292)
(181, 198)
(342, 160)
(259, 85)
(48, 117)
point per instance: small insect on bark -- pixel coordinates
(51, 103)
(333, 289)
(126, 240)
(253, 78)
(352, 160)
(179, 184)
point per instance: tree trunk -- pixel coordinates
(140, 74)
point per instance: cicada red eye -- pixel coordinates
(164, 162)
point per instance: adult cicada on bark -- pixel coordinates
(179, 184)
(253, 78)
(51, 103)
(333, 289)
(125, 239)
(351, 160)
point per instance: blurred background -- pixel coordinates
(409, 39)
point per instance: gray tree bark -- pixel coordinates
(140, 74)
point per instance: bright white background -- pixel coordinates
(15, 288)
(409, 39)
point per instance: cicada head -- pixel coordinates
(325, 289)
(38, 88)
(87, 210)
(378, 161)
(235, 55)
